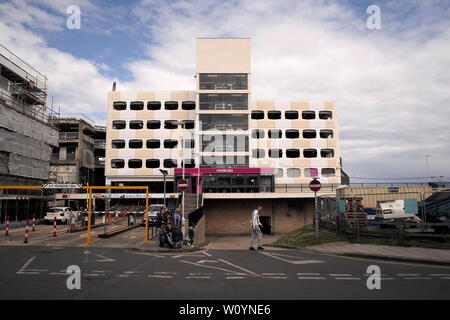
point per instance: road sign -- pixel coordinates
(315, 185)
(62, 186)
(182, 185)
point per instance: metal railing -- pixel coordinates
(68, 135)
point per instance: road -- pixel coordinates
(39, 272)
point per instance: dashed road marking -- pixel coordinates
(164, 272)
(340, 274)
(308, 274)
(234, 278)
(417, 278)
(445, 278)
(133, 272)
(273, 274)
(241, 268)
(311, 278)
(275, 277)
(440, 274)
(160, 276)
(408, 274)
(346, 278)
(197, 277)
(59, 274)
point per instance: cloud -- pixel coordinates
(390, 85)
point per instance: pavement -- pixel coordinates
(40, 272)
(393, 253)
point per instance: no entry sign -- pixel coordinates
(315, 185)
(182, 185)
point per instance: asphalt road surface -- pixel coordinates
(115, 273)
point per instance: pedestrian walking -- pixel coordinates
(256, 229)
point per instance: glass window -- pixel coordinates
(328, 172)
(326, 134)
(118, 144)
(275, 134)
(117, 163)
(170, 143)
(257, 114)
(189, 163)
(188, 105)
(293, 173)
(171, 105)
(308, 115)
(325, 115)
(291, 114)
(223, 101)
(310, 153)
(309, 134)
(189, 143)
(327, 153)
(274, 114)
(134, 163)
(292, 134)
(152, 163)
(154, 105)
(223, 81)
(292, 153)
(118, 124)
(153, 124)
(136, 124)
(170, 124)
(275, 153)
(224, 122)
(188, 124)
(258, 153)
(153, 144)
(170, 163)
(135, 144)
(119, 105)
(258, 134)
(137, 105)
(279, 173)
(311, 172)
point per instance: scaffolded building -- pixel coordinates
(26, 136)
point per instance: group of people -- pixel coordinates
(171, 220)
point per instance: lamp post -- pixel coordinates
(164, 173)
(428, 169)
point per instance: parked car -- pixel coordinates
(153, 210)
(62, 214)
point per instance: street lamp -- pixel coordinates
(428, 169)
(164, 173)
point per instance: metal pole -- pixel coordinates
(165, 205)
(88, 240)
(182, 205)
(146, 213)
(316, 216)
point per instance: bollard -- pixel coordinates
(25, 240)
(54, 226)
(116, 217)
(109, 217)
(123, 215)
(34, 222)
(7, 226)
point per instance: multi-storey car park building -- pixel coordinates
(235, 151)
(26, 136)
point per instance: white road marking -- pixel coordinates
(235, 274)
(346, 278)
(206, 253)
(417, 278)
(197, 277)
(133, 272)
(273, 274)
(201, 265)
(234, 278)
(387, 279)
(205, 261)
(445, 278)
(27, 272)
(199, 274)
(145, 254)
(37, 270)
(274, 277)
(241, 268)
(279, 257)
(22, 269)
(440, 274)
(59, 274)
(122, 275)
(101, 271)
(164, 272)
(308, 274)
(103, 258)
(187, 255)
(92, 274)
(408, 274)
(311, 278)
(159, 276)
(340, 275)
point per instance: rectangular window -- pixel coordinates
(224, 122)
(136, 105)
(119, 105)
(223, 81)
(311, 172)
(293, 173)
(152, 163)
(258, 134)
(223, 101)
(119, 124)
(136, 124)
(275, 134)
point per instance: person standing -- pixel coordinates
(256, 229)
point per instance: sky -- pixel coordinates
(391, 85)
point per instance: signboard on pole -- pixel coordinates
(182, 185)
(62, 186)
(315, 185)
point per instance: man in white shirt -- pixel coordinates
(256, 229)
